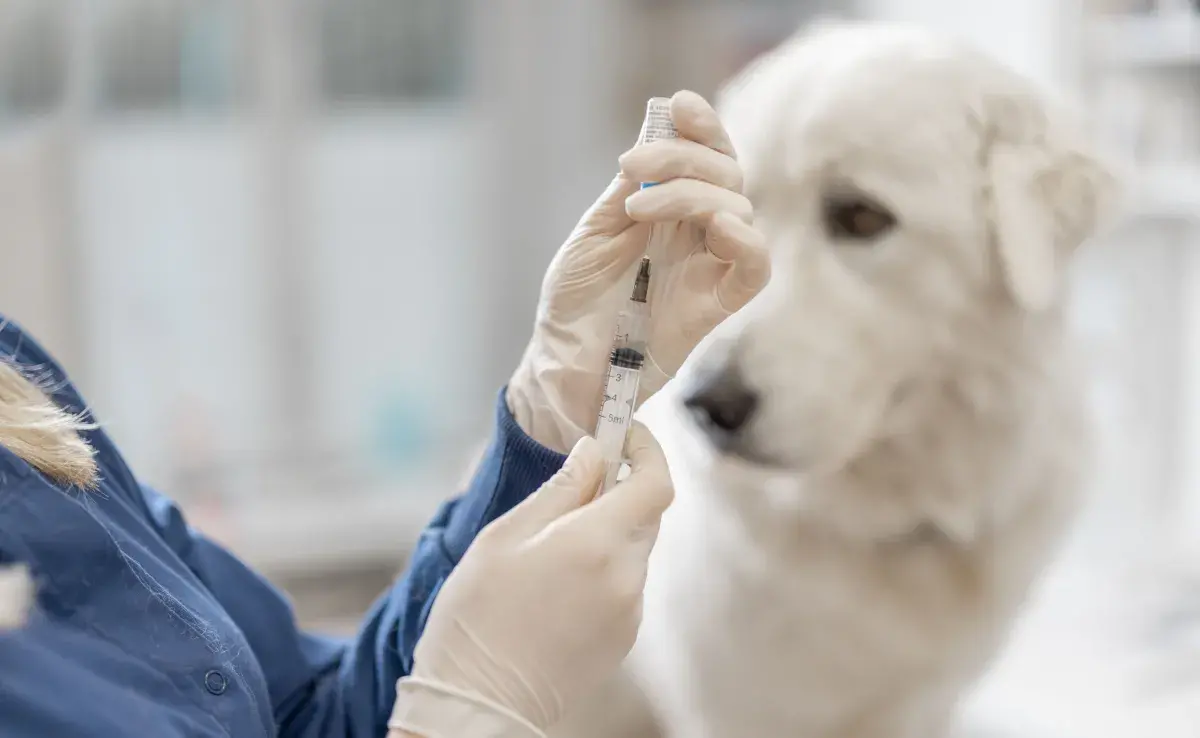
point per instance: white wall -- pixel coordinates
(36, 280)
(1027, 34)
(1187, 517)
(547, 82)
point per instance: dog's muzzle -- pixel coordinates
(722, 406)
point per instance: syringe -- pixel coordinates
(633, 328)
(624, 374)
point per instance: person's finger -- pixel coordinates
(638, 502)
(629, 563)
(643, 451)
(696, 120)
(574, 485)
(674, 158)
(635, 504)
(607, 214)
(686, 200)
(731, 239)
(605, 244)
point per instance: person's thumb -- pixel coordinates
(641, 498)
(573, 486)
(607, 216)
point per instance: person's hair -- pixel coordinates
(41, 433)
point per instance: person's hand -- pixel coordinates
(544, 606)
(707, 260)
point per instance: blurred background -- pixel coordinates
(290, 250)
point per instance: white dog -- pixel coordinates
(875, 458)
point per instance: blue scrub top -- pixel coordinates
(143, 627)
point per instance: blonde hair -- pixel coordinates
(41, 433)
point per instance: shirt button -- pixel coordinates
(215, 682)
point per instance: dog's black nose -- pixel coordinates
(722, 404)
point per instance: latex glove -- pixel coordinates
(544, 606)
(707, 262)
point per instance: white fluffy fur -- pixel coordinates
(920, 403)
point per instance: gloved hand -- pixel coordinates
(706, 264)
(544, 606)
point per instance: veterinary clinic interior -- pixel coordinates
(290, 249)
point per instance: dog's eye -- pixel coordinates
(857, 219)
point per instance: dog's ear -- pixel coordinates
(1049, 193)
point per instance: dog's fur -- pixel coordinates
(921, 435)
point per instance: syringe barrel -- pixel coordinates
(616, 414)
(633, 327)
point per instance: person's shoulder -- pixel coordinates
(19, 348)
(18, 345)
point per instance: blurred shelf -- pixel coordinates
(1150, 40)
(1167, 192)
